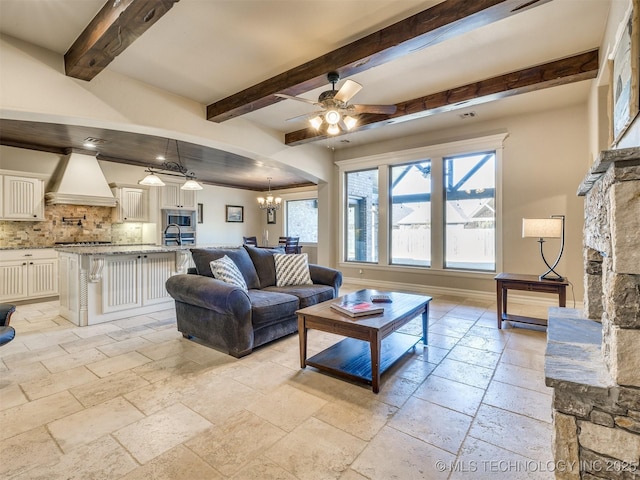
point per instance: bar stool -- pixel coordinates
(7, 333)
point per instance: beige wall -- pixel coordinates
(543, 164)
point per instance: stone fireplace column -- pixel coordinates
(593, 356)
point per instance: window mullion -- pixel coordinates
(437, 213)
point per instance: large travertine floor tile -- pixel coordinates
(528, 436)
(83, 344)
(473, 356)
(36, 413)
(362, 419)
(263, 469)
(177, 463)
(57, 382)
(161, 431)
(519, 400)
(106, 388)
(454, 395)
(117, 364)
(480, 460)
(92, 423)
(218, 398)
(522, 377)
(99, 460)
(238, 441)
(73, 360)
(464, 373)
(316, 450)
(431, 423)
(11, 396)
(18, 452)
(286, 407)
(396, 455)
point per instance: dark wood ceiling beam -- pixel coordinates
(113, 29)
(579, 67)
(429, 27)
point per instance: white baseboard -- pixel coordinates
(474, 294)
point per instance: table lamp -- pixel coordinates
(542, 228)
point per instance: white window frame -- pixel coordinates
(308, 195)
(435, 153)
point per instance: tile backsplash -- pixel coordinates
(96, 227)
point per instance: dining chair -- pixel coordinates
(250, 241)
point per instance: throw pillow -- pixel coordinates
(226, 270)
(292, 269)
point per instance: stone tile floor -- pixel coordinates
(132, 399)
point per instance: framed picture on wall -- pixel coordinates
(234, 213)
(271, 216)
(200, 213)
(624, 87)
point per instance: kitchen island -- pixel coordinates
(104, 283)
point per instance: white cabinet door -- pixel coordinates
(13, 280)
(156, 269)
(121, 283)
(23, 198)
(173, 197)
(28, 273)
(43, 278)
(133, 204)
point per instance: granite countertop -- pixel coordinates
(119, 249)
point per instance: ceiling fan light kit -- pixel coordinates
(336, 113)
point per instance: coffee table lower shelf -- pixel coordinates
(351, 358)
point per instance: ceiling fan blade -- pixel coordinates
(384, 109)
(299, 99)
(305, 116)
(347, 91)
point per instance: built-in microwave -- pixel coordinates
(185, 219)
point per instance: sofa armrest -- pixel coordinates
(209, 293)
(326, 276)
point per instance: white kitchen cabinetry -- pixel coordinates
(28, 274)
(100, 288)
(22, 197)
(172, 196)
(133, 203)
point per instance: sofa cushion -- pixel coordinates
(292, 269)
(226, 270)
(268, 308)
(202, 257)
(307, 294)
(263, 262)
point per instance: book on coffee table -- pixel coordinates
(357, 308)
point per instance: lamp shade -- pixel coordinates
(152, 180)
(191, 184)
(542, 227)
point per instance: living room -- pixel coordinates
(546, 141)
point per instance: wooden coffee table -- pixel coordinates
(363, 355)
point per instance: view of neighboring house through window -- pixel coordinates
(410, 191)
(302, 219)
(361, 242)
(470, 211)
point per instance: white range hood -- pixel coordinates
(79, 181)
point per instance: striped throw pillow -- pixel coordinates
(292, 269)
(226, 270)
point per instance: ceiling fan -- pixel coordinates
(336, 111)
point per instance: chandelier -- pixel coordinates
(269, 203)
(167, 168)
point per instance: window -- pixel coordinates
(470, 211)
(361, 239)
(411, 214)
(302, 219)
(438, 208)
